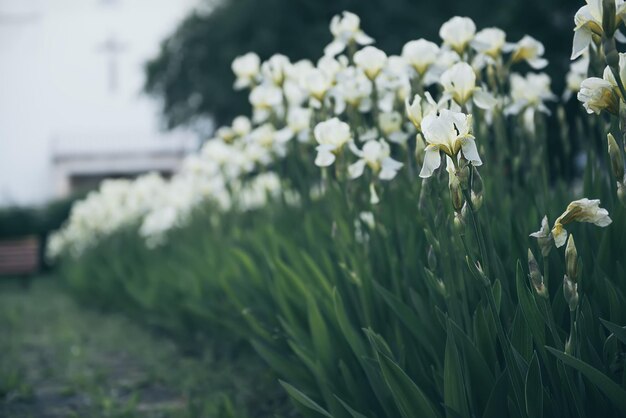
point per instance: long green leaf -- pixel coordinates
(410, 399)
(303, 399)
(613, 391)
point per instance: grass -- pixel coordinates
(64, 360)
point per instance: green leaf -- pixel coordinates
(410, 399)
(497, 403)
(534, 389)
(319, 333)
(529, 307)
(479, 372)
(350, 410)
(454, 394)
(303, 399)
(619, 332)
(612, 390)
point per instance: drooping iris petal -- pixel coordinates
(470, 152)
(432, 161)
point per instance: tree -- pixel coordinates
(192, 76)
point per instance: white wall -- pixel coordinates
(54, 81)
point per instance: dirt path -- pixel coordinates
(61, 360)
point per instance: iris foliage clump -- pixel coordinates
(394, 234)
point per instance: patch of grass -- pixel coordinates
(67, 360)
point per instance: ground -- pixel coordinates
(58, 359)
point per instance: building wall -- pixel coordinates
(55, 84)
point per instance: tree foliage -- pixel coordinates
(192, 77)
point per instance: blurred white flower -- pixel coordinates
(317, 84)
(331, 135)
(420, 54)
(419, 108)
(577, 73)
(530, 50)
(459, 83)
(346, 29)
(458, 32)
(264, 98)
(390, 124)
(246, 69)
(376, 155)
(531, 91)
(489, 41)
(448, 132)
(276, 68)
(241, 126)
(445, 60)
(298, 125)
(353, 88)
(371, 60)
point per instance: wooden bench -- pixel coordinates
(19, 256)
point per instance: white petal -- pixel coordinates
(484, 100)
(582, 39)
(559, 236)
(284, 135)
(374, 199)
(470, 152)
(432, 161)
(389, 169)
(538, 63)
(355, 170)
(334, 48)
(515, 107)
(324, 158)
(363, 39)
(603, 218)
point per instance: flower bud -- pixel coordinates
(434, 242)
(459, 224)
(456, 194)
(477, 200)
(615, 156)
(463, 174)
(420, 147)
(569, 346)
(571, 259)
(570, 292)
(536, 279)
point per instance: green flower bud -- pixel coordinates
(463, 174)
(570, 292)
(571, 259)
(459, 224)
(456, 194)
(536, 278)
(477, 200)
(615, 156)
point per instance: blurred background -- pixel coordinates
(91, 89)
(74, 73)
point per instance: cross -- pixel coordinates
(112, 47)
